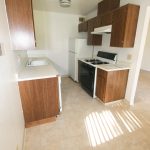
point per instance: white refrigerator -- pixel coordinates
(78, 48)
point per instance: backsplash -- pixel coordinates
(21, 58)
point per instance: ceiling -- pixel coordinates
(82, 7)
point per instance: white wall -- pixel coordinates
(146, 57)
(136, 52)
(60, 26)
(11, 116)
(52, 34)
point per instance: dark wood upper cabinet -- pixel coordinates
(124, 26)
(106, 6)
(93, 39)
(106, 19)
(123, 20)
(83, 27)
(20, 18)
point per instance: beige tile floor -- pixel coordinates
(87, 124)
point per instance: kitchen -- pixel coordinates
(56, 49)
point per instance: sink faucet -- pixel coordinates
(29, 61)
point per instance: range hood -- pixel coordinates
(101, 30)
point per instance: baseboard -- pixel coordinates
(39, 122)
(112, 102)
(64, 76)
(147, 70)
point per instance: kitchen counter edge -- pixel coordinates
(109, 67)
(37, 72)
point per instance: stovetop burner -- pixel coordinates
(91, 60)
(96, 61)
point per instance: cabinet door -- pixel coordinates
(93, 39)
(107, 6)
(83, 27)
(97, 22)
(39, 99)
(111, 86)
(90, 29)
(116, 85)
(106, 19)
(101, 84)
(118, 27)
(20, 18)
(124, 26)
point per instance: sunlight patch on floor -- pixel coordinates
(105, 126)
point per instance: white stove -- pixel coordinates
(88, 70)
(95, 61)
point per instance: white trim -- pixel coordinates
(140, 55)
(95, 79)
(101, 30)
(60, 97)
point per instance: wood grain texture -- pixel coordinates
(20, 18)
(106, 19)
(39, 122)
(106, 6)
(111, 86)
(101, 84)
(125, 19)
(131, 25)
(83, 27)
(93, 39)
(39, 99)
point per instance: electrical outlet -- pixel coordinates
(129, 57)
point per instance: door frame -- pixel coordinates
(140, 55)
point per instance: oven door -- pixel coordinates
(86, 75)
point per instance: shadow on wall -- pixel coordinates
(60, 70)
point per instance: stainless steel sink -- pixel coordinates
(37, 62)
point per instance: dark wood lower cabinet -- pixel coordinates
(40, 99)
(111, 86)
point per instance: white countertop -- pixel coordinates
(37, 72)
(111, 67)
